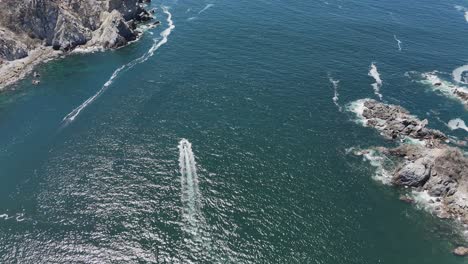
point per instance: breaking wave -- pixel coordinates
(446, 88)
(157, 44)
(373, 72)
(208, 6)
(457, 123)
(458, 75)
(335, 92)
(464, 10)
(398, 42)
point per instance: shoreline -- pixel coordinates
(13, 71)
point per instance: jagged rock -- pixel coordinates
(28, 24)
(394, 121)
(114, 32)
(430, 165)
(413, 174)
(11, 49)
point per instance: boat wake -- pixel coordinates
(190, 192)
(398, 42)
(335, 90)
(378, 82)
(157, 44)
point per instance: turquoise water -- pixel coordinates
(264, 176)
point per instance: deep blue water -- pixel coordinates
(247, 84)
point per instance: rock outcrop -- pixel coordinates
(431, 165)
(67, 24)
(446, 88)
(396, 122)
(461, 251)
(62, 25)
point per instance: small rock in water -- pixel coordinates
(406, 199)
(36, 82)
(36, 75)
(461, 251)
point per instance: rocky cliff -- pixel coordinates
(65, 24)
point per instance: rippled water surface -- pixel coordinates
(221, 138)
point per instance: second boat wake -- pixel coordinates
(157, 44)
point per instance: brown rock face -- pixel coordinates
(63, 24)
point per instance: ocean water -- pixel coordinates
(222, 136)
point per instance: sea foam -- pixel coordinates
(457, 123)
(398, 42)
(335, 92)
(374, 73)
(457, 74)
(446, 88)
(208, 6)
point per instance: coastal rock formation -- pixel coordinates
(430, 166)
(28, 25)
(396, 122)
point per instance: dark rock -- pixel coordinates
(413, 174)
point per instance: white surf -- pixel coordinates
(208, 6)
(457, 123)
(373, 72)
(335, 98)
(157, 44)
(398, 42)
(457, 74)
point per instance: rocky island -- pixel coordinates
(32, 31)
(428, 165)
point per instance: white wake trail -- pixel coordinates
(373, 72)
(189, 182)
(398, 42)
(157, 44)
(335, 90)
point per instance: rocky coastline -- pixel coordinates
(425, 162)
(34, 31)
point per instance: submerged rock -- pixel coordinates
(461, 251)
(406, 199)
